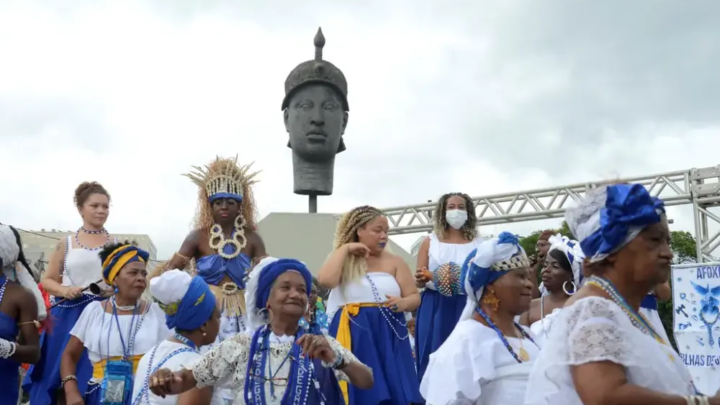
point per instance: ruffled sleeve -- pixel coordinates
(591, 330)
(460, 366)
(88, 321)
(223, 362)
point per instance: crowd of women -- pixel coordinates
(228, 324)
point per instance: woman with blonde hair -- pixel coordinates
(371, 290)
(453, 238)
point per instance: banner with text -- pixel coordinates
(696, 309)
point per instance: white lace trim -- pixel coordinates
(596, 329)
(226, 365)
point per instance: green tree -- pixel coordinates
(683, 245)
(529, 243)
(565, 230)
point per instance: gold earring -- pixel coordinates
(491, 300)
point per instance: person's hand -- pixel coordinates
(164, 382)
(396, 304)
(72, 292)
(316, 347)
(422, 276)
(74, 399)
(358, 249)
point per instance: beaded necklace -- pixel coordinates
(522, 355)
(77, 238)
(145, 390)
(637, 319)
(386, 313)
(300, 377)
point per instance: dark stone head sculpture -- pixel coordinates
(315, 110)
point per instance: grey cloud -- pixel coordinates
(30, 120)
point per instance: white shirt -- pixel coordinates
(163, 357)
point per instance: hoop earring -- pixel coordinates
(266, 314)
(491, 300)
(566, 290)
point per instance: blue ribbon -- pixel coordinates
(478, 276)
(626, 207)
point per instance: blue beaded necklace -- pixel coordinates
(636, 318)
(522, 355)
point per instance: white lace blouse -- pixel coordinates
(226, 365)
(596, 329)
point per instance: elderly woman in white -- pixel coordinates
(487, 358)
(600, 349)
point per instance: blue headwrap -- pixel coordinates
(119, 258)
(491, 260)
(195, 308)
(271, 272)
(611, 216)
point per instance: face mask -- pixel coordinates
(456, 218)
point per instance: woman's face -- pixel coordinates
(132, 280)
(212, 328)
(514, 290)
(289, 294)
(374, 234)
(647, 257)
(553, 275)
(455, 203)
(95, 210)
(225, 210)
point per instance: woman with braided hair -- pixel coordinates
(371, 290)
(453, 238)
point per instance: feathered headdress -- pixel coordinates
(224, 178)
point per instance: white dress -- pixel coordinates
(81, 267)
(227, 364)
(473, 367)
(440, 253)
(596, 329)
(541, 329)
(164, 355)
(98, 331)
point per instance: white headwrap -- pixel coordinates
(9, 253)
(486, 257)
(9, 249)
(609, 217)
(170, 287)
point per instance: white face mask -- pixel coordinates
(456, 218)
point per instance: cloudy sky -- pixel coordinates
(492, 97)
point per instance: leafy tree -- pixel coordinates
(565, 230)
(683, 245)
(529, 243)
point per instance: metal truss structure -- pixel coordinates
(699, 187)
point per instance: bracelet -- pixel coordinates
(339, 361)
(7, 349)
(66, 379)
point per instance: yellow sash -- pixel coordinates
(343, 333)
(99, 367)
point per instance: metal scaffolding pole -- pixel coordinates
(699, 187)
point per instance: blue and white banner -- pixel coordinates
(696, 323)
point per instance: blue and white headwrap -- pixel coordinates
(187, 301)
(572, 251)
(491, 260)
(611, 216)
(262, 278)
